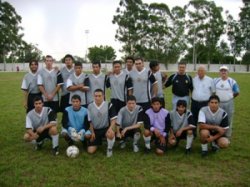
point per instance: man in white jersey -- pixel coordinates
(213, 123)
(129, 121)
(78, 83)
(97, 80)
(143, 82)
(30, 87)
(49, 81)
(203, 88)
(120, 84)
(66, 71)
(101, 116)
(227, 89)
(41, 124)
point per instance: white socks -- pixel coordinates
(136, 138)
(147, 141)
(204, 147)
(189, 141)
(111, 143)
(55, 140)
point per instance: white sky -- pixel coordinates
(58, 26)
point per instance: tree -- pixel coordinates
(102, 53)
(205, 25)
(245, 26)
(10, 37)
(130, 17)
(234, 36)
(28, 52)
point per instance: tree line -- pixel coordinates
(194, 33)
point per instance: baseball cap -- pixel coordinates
(224, 67)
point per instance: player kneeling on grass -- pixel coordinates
(213, 123)
(101, 116)
(41, 124)
(75, 122)
(182, 125)
(157, 125)
(128, 123)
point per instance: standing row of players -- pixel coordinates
(143, 83)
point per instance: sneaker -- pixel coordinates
(215, 149)
(204, 154)
(188, 151)
(55, 151)
(135, 148)
(147, 150)
(109, 153)
(39, 145)
(122, 144)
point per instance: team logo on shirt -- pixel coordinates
(99, 114)
(139, 79)
(49, 78)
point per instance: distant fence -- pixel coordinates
(108, 66)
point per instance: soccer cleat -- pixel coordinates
(147, 150)
(204, 154)
(215, 149)
(55, 151)
(109, 153)
(122, 144)
(188, 151)
(39, 145)
(135, 148)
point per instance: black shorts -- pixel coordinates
(43, 135)
(144, 106)
(99, 135)
(54, 105)
(162, 102)
(130, 133)
(64, 102)
(30, 101)
(158, 144)
(117, 104)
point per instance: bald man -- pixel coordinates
(203, 88)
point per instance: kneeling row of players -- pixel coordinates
(100, 121)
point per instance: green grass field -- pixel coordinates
(20, 165)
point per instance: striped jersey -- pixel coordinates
(100, 116)
(128, 118)
(35, 120)
(49, 79)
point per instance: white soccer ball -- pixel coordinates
(72, 151)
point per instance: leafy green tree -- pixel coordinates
(28, 52)
(246, 59)
(205, 25)
(130, 17)
(102, 53)
(10, 37)
(245, 26)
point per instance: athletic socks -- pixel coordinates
(111, 143)
(204, 147)
(136, 138)
(55, 140)
(147, 141)
(189, 141)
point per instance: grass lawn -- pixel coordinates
(20, 165)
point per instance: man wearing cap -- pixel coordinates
(227, 89)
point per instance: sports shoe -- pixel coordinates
(109, 153)
(146, 150)
(188, 151)
(39, 145)
(122, 144)
(204, 154)
(135, 148)
(215, 149)
(55, 151)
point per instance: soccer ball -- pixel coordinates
(72, 151)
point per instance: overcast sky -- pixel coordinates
(59, 27)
